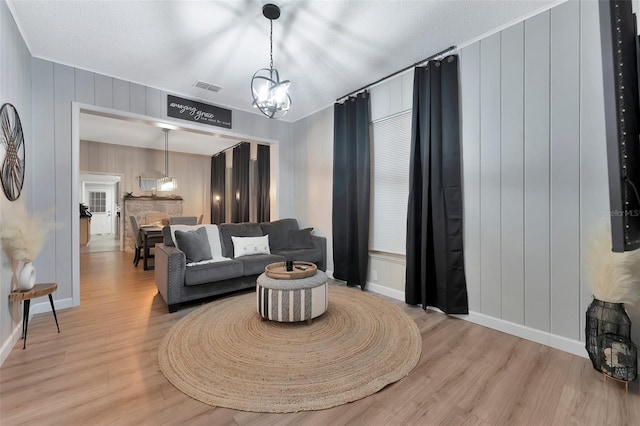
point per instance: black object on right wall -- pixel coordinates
(619, 42)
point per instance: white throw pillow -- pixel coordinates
(247, 246)
(212, 233)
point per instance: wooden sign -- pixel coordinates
(198, 112)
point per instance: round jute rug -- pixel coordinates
(224, 354)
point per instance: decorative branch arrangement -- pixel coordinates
(613, 277)
(23, 234)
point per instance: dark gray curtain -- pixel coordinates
(264, 183)
(435, 258)
(240, 183)
(218, 182)
(350, 215)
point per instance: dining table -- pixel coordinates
(151, 235)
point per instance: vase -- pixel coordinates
(26, 277)
(604, 318)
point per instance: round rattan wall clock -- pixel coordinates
(12, 160)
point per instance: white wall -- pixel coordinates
(534, 169)
(15, 88)
(313, 171)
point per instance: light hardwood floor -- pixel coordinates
(102, 370)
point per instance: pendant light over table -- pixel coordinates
(167, 183)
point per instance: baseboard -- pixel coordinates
(386, 291)
(575, 347)
(45, 306)
(35, 308)
(8, 344)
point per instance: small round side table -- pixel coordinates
(38, 290)
(291, 300)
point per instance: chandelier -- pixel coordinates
(153, 180)
(167, 183)
(270, 95)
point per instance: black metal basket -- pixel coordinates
(604, 318)
(619, 357)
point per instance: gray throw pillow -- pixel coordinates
(300, 239)
(278, 232)
(194, 244)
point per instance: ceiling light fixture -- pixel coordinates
(270, 95)
(167, 183)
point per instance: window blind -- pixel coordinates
(390, 183)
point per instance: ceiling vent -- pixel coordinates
(207, 86)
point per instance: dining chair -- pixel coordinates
(135, 229)
(183, 220)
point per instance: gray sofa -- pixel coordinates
(178, 283)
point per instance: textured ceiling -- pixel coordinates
(326, 48)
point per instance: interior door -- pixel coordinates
(100, 201)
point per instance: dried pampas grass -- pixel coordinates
(614, 277)
(23, 234)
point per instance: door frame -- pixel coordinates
(116, 179)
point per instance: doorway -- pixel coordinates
(98, 125)
(99, 193)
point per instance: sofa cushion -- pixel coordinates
(208, 273)
(227, 230)
(249, 246)
(299, 239)
(278, 232)
(194, 244)
(255, 264)
(308, 255)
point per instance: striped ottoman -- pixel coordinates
(292, 300)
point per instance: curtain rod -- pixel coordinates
(442, 52)
(227, 149)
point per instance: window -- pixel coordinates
(97, 202)
(390, 183)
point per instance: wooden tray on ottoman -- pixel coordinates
(278, 271)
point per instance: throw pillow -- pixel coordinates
(228, 230)
(247, 246)
(278, 232)
(194, 244)
(300, 239)
(212, 233)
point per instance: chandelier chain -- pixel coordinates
(271, 43)
(166, 152)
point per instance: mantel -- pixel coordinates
(151, 198)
